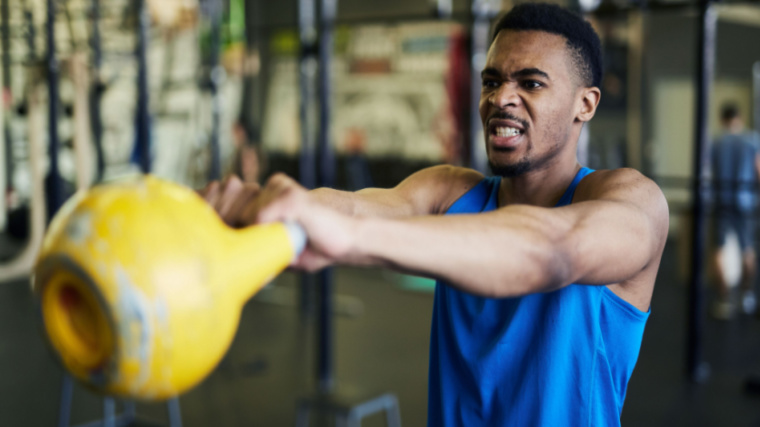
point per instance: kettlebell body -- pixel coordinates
(141, 285)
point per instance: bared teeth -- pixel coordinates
(506, 131)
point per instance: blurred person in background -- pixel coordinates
(735, 169)
(247, 162)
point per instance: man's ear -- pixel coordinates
(590, 97)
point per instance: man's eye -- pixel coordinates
(490, 84)
(531, 84)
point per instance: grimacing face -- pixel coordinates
(532, 104)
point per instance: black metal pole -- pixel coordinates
(5, 40)
(249, 112)
(325, 371)
(696, 367)
(479, 43)
(31, 32)
(756, 95)
(54, 188)
(307, 68)
(326, 154)
(326, 179)
(142, 126)
(216, 75)
(96, 91)
(67, 395)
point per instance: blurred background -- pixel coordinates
(353, 94)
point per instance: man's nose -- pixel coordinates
(505, 96)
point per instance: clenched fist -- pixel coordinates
(331, 234)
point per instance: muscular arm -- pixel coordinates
(615, 229)
(612, 234)
(429, 191)
(426, 192)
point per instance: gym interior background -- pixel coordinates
(193, 90)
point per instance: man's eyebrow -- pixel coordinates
(525, 72)
(493, 72)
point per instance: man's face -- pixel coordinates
(529, 101)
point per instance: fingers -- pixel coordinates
(229, 198)
(282, 199)
(235, 213)
(267, 200)
(232, 191)
(240, 204)
(211, 193)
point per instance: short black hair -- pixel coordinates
(729, 111)
(582, 40)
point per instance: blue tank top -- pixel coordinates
(560, 358)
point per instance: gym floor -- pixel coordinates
(381, 344)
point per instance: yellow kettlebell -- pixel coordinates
(141, 285)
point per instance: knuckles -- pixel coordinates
(240, 203)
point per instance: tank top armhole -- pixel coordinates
(479, 193)
(626, 306)
(567, 197)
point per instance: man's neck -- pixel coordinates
(543, 187)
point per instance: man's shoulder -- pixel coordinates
(620, 176)
(449, 177)
(455, 172)
(628, 187)
(438, 187)
(625, 183)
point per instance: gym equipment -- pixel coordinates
(214, 11)
(347, 413)
(697, 367)
(482, 12)
(756, 95)
(5, 90)
(319, 169)
(80, 76)
(142, 115)
(21, 265)
(96, 91)
(325, 178)
(141, 285)
(93, 101)
(54, 186)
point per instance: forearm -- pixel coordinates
(374, 202)
(425, 192)
(489, 255)
(342, 201)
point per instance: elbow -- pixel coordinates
(544, 271)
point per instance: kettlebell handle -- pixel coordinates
(297, 236)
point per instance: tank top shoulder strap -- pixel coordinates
(485, 195)
(567, 197)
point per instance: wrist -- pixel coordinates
(361, 232)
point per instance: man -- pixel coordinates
(736, 168)
(545, 271)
